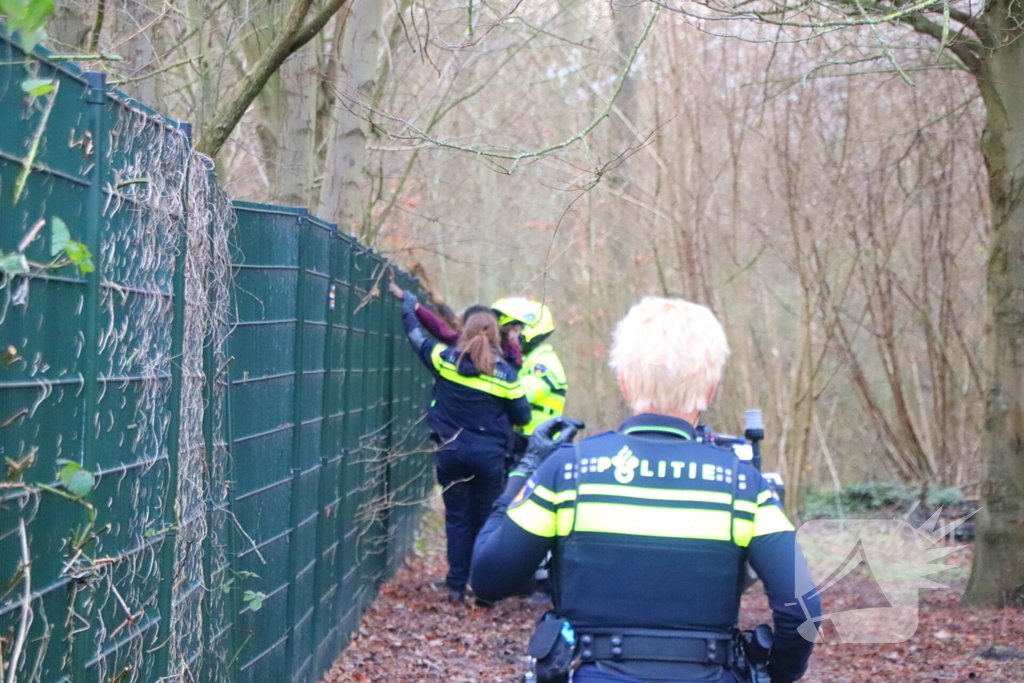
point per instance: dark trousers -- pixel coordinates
(591, 674)
(472, 481)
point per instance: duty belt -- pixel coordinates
(655, 645)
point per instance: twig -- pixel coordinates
(374, 292)
(33, 150)
(97, 26)
(524, 156)
(26, 604)
(31, 234)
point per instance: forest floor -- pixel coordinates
(412, 633)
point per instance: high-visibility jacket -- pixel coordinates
(469, 409)
(543, 379)
(649, 529)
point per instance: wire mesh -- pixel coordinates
(232, 379)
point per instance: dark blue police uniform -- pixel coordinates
(471, 416)
(649, 531)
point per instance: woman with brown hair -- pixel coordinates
(476, 402)
(437, 328)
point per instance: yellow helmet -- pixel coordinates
(535, 317)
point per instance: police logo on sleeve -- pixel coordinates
(539, 369)
(524, 493)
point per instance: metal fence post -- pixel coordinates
(211, 374)
(232, 543)
(323, 538)
(291, 654)
(166, 594)
(392, 469)
(95, 98)
(344, 576)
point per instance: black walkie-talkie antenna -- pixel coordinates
(753, 432)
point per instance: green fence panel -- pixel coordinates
(90, 388)
(232, 378)
(42, 374)
(266, 344)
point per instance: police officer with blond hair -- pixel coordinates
(649, 527)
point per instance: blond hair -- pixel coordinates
(669, 355)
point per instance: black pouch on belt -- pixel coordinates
(552, 648)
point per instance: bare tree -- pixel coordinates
(985, 41)
(302, 22)
(285, 115)
(359, 52)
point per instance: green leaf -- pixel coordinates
(37, 87)
(59, 236)
(78, 482)
(254, 600)
(27, 17)
(80, 256)
(68, 471)
(13, 264)
(60, 241)
(152, 532)
(82, 482)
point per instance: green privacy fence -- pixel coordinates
(212, 440)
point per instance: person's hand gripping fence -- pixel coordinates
(545, 440)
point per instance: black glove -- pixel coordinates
(417, 335)
(545, 440)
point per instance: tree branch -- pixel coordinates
(966, 51)
(97, 26)
(316, 24)
(230, 113)
(517, 158)
(965, 19)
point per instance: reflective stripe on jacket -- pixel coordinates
(543, 378)
(647, 525)
(649, 529)
(470, 409)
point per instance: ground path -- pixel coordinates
(413, 634)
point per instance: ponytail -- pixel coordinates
(478, 339)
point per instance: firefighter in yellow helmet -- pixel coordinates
(542, 375)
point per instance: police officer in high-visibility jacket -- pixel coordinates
(649, 528)
(476, 402)
(542, 375)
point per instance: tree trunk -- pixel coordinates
(997, 576)
(68, 28)
(346, 155)
(205, 92)
(287, 116)
(629, 27)
(231, 111)
(141, 56)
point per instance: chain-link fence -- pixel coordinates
(209, 417)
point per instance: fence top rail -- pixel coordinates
(302, 212)
(256, 207)
(331, 227)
